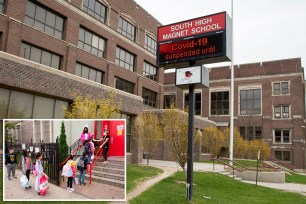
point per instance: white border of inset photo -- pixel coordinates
(42, 197)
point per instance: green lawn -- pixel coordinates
(219, 188)
(296, 178)
(137, 173)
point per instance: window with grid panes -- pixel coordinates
(250, 102)
(127, 29)
(150, 44)
(2, 2)
(282, 155)
(198, 100)
(149, 97)
(124, 85)
(125, 59)
(40, 56)
(219, 103)
(282, 136)
(149, 71)
(95, 9)
(91, 43)
(281, 111)
(88, 73)
(250, 132)
(44, 20)
(281, 88)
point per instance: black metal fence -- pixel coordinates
(50, 161)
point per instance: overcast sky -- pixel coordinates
(263, 29)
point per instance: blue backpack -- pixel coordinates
(87, 148)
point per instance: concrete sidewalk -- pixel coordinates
(14, 190)
(291, 187)
(197, 166)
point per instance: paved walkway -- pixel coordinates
(89, 192)
(291, 187)
(14, 191)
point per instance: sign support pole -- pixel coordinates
(190, 142)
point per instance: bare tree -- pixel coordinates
(175, 128)
(148, 130)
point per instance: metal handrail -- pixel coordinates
(94, 161)
(64, 162)
(242, 166)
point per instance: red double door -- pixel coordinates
(117, 135)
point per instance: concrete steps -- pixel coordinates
(112, 173)
(230, 174)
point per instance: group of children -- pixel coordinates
(26, 162)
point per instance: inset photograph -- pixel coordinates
(64, 160)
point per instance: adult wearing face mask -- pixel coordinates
(85, 135)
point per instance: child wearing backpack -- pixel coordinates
(71, 174)
(81, 166)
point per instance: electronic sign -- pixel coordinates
(202, 40)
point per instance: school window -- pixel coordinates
(250, 132)
(91, 43)
(282, 136)
(169, 100)
(281, 111)
(219, 103)
(40, 56)
(149, 71)
(197, 102)
(149, 97)
(150, 44)
(88, 73)
(127, 29)
(283, 155)
(124, 85)
(44, 20)
(95, 9)
(125, 59)
(2, 2)
(22, 105)
(250, 102)
(281, 88)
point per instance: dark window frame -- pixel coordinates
(247, 102)
(2, 6)
(121, 59)
(89, 47)
(126, 85)
(218, 98)
(250, 132)
(279, 155)
(152, 74)
(98, 72)
(282, 136)
(149, 97)
(44, 25)
(94, 13)
(126, 28)
(198, 102)
(150, 44)
(23, 53)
